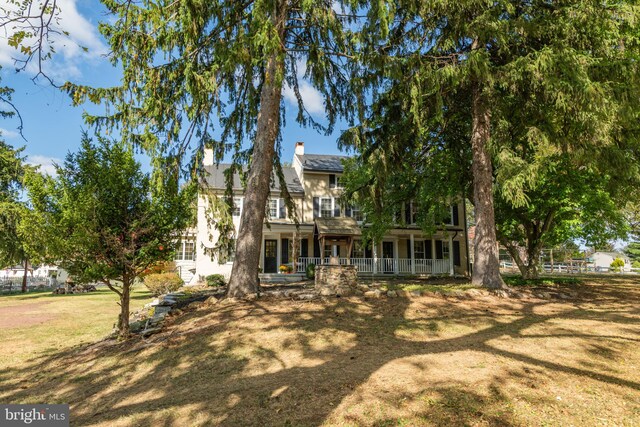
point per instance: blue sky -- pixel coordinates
(52, 127)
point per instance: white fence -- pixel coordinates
(386, 265)
(12, 284)
(572, 268)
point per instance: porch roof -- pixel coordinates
(339, 226)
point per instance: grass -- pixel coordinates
(446, 288)
(542, 281)
(416, 361)
(38, 324)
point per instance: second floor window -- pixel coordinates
(326, 207)
(237, 206)
(356, 213)
(273, 208)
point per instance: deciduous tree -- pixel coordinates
(112, 223)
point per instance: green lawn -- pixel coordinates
(41, 323)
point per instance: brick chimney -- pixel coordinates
(207, 160)
(299, 148)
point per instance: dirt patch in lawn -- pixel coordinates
(24, 315)
(430, 360)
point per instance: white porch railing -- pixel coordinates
(303, 262)
(386, 265)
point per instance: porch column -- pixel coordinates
(375, 257)
(433, 255)
(261, 260)
(451, 272)
(412, 255)
(279, 253)
(396, 269)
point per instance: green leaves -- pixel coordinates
(103, 218)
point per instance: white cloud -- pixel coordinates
(65, 63)
(312, 99)
(8, 134)
(47, 164)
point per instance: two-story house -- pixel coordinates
(326, 228)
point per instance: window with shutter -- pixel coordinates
(332, 181)
(326, 207)
(316, 207)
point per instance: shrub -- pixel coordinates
(162, 283)
(636, 264)
(215, 280)
(161, 267)
(311, 271)
(617, 265)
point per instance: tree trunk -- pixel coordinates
(244, 275)
(24, 276)
(123, 317)
(486, 266)
(531, 271)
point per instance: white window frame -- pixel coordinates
(339, 183)
(446, 250)
(237, 205)
(331, 203)
(355, 210)
(270, 208)
(181, 250)
(413, 212)
(450, 215)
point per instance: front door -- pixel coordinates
(270, 256)
(387, 257)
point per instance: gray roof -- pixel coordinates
(215, 179)
(322, 162)
(337, 226)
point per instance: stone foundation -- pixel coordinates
(339, 280)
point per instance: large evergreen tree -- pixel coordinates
(570, 67)
(188, 64)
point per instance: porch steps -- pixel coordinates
(281, 278)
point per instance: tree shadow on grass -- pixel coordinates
(293, 363)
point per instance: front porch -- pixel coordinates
(406, 252)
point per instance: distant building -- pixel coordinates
(601, 261)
